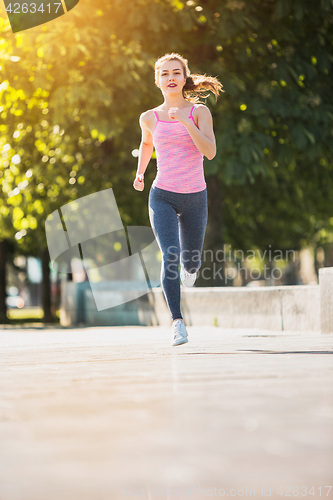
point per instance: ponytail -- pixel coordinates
(195, 85)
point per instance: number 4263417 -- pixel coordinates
(32, 8)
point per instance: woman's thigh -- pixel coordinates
(164, 222)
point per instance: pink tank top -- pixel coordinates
(179, 162)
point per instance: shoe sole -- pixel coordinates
(180, 341)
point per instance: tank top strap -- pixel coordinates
(191, 115)
(155, 113)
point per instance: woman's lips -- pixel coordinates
(172, 85)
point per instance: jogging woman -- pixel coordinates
(181, 130)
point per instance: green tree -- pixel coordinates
(274, 123)
(72, 93)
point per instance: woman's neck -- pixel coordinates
(175, 102)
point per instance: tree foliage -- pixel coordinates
(72, 92)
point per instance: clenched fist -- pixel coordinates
(139, 184)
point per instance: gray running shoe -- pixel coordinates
(179, 333)
(186, 278)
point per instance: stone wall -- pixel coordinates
(289, 308)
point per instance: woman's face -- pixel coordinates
(171, 77)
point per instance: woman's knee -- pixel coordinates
(170, 271)
(171, 255)
(170, 264)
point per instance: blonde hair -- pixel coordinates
(195, 85)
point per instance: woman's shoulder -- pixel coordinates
(147, 117)
(148, 113)
(147, 120)
(201, 110)
(200, 107)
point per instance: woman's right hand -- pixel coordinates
(139, 184)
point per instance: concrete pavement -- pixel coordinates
(109, 413)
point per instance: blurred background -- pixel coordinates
(72, 91)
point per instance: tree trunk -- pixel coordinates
(46, 286)
(212, 271)
(3, 282)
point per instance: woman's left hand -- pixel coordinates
(178, 114)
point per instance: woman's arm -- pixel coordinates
(203, 134)
(146, 145)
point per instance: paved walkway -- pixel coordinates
(100, 413)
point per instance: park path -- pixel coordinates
(107, 413)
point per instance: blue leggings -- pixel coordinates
(178, 221)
